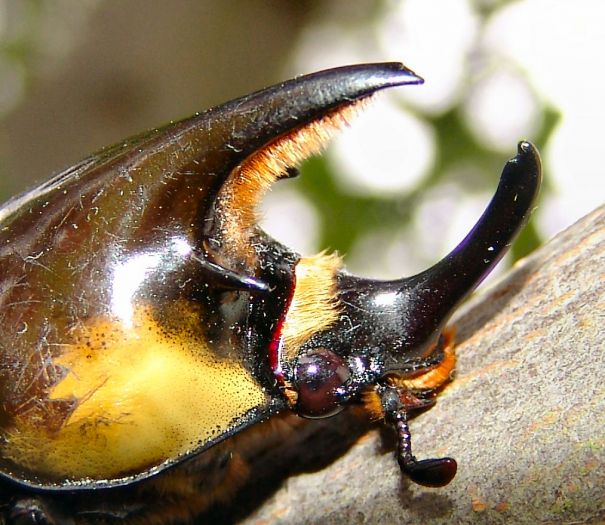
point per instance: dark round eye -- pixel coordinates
(318, 376)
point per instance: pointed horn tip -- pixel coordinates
(409, 75)
(369, 78)
(525, 166)
(526, 151)
(398, 74)
(527, 148)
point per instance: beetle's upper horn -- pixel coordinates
(430, 297)
(219, 139)
(249, 123)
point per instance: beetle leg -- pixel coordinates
(411, 401)
(434, 472)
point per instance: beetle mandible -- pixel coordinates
(149, 324)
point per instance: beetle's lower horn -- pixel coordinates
(433, 294)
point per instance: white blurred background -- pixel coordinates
(399, 188)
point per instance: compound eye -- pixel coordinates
(319, 375)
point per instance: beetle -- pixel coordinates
(151, 329)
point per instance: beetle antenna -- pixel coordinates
(434, 472)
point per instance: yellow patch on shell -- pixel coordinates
(142, 394)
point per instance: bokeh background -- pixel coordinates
(393, 193)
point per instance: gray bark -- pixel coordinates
(524, 416)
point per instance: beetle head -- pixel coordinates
(142, 286)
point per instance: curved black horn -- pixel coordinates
(431, 296)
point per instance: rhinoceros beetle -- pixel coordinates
(149, 324)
